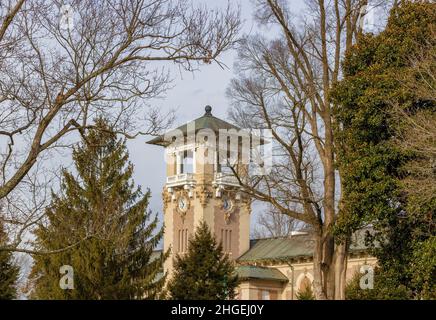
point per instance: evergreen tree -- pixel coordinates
(306, 294)
(204, 272)
(384, 288)
(103, 221)
(370, 161)
(8, 271)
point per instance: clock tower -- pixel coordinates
(204, 164)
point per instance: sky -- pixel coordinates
(190, 94)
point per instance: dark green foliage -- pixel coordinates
(370, 163)
(204, 272)
(383, 289)
(8, 272)
(423, 267)
(105, 220)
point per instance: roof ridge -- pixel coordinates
(281, 237)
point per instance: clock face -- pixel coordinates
(183, 204)
(227, 204)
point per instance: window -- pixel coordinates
(182, 245)
(265, 295)
(226, 162)
(226, 240)
(187, 165)
(226, 170)
(229, 242)
(179, 242)
(305, 284)
(184, 162)
(185, 247)
(228, 153)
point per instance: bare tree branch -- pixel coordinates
(284, 85)
(59, 71)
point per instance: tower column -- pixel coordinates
(179, 162)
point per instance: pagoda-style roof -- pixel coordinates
(207, 121)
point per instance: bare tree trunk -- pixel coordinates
(340, 267)
(327, 264)
(318, 277)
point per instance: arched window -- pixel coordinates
(304, 284)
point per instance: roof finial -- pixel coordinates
(208, 110)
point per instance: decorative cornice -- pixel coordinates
(166, 199)
(203, 193)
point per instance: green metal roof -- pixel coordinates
(262, 273)
(279, 248)
(207, 121)
(297, 246)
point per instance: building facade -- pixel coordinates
(204, 163)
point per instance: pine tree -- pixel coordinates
(103, 220)
(8, 271)
(306, 294)
(205, 272)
